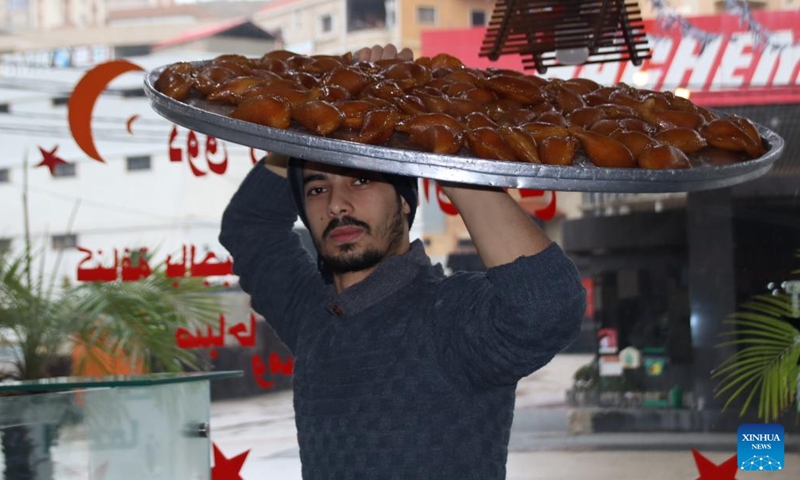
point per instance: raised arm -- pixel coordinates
(501, 231)
(273, 267)
(498, 327)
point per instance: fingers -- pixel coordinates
(389, 51)
(379, 52)
(363, 54)
(405, 54)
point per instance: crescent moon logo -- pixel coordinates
(129, 123)
(81, 102)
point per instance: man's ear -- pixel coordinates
(406, 208)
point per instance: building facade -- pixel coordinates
(337, 26)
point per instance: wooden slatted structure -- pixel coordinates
(612, 30)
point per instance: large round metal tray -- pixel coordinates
(210, 119)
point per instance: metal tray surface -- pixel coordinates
(211, 119)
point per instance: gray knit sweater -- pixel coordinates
(408, 374)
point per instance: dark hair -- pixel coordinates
(406, 187)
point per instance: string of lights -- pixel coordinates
(668, 17)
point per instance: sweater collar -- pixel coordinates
(391, 275)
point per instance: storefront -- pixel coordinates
(666, 270)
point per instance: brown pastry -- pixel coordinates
(210, 76)
(663, 156)
(233, 90)
(268, 110)
(478, 119)
(685, 139)
(438, 139)
(354, 112)
(604, 151)
(419, 123)
(439, 105)
(176, 81)
(540, 130)
(558, 150)
(378, 127)
(488, 143)
(319, 116)
(521, 143)
(636, 142)
(726, 134)
(519, 88)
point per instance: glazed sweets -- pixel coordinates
(440, 106)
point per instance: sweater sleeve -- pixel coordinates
(272, 265)
(497, 327)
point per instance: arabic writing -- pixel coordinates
(276, 367)
(134, 266)
(186, 340)
(209, 339)
(215, 152)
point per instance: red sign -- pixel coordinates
(731, 67)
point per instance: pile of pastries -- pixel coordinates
(440, 106)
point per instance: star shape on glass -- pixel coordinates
(51, 160)
(227, 468)
(709, 471)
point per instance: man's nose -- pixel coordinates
(339, 202)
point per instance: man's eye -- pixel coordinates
(362, 181)
(314, 191)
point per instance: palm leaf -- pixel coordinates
(766, 367)
(139, 319)
(135, 319)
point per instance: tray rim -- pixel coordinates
(472, 170)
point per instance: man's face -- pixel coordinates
(356, 217)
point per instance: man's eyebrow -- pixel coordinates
(313, 177)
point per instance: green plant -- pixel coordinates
(766, 365)
(587, 377)
(137, 319)
(42, 321)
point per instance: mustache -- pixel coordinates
(344, 222)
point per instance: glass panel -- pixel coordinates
(65, 383)
(153, 432)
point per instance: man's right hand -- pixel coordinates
(378, 52)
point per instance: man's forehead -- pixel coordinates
(316, 171)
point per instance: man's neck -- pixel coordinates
(343, 281)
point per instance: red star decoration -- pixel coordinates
(227, 468)
(50, 159)
(709, 471)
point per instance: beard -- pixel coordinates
(348, 258)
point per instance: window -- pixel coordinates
(140, 162)
(426, 15)
(64, 170)
(4, 174)
(5, 245)
(327, 23)
(64, 242)
(478, 18)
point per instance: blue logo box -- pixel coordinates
(760, 447)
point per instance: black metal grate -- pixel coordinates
(612, 30)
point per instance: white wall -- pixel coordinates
(163, 207)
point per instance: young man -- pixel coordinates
(400, 372)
